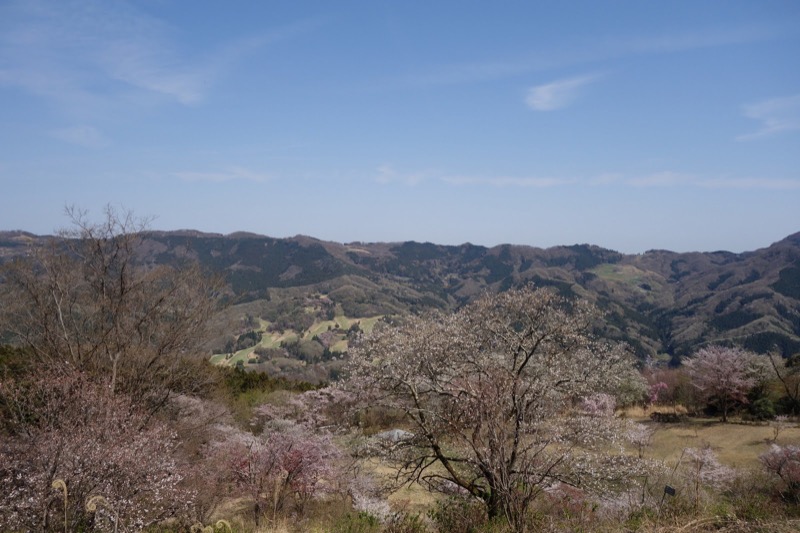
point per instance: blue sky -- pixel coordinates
(632, 125)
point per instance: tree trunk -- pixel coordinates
(114, 374)
(499, 507)
(494, 506)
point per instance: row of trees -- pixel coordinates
(724, 380)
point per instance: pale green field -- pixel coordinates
(274, 340)
(627, 274)
(737, 445)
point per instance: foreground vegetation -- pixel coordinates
(509, 414)
(304, 461)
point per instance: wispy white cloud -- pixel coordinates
(471, 72)
(654, 180)
(86, 136)
(72, 51)
(676, 179)
(686, 41)
(776, 115)
(606, 179)
(557, 94)
(506, 181)
(771, 184)
(229, 174)
(660, 179)
(89, 55)
(385, 174)
(589, 52)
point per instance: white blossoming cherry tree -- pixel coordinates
(724, 375)
(496, 398)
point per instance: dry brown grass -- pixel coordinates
(411, 499)
(724, 525)
(639, 413)
(736, 444)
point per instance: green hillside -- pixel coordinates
(660, 302)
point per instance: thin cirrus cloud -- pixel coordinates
(776, 115)
(86, 136)
(677, 179)
(73, 52)
(557, 94)
(508, 181)
(663, 179)
(386, 174)
(88, 56)
(227, 175)
(614, 47)
(772, 184)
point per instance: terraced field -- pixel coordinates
(291, 350)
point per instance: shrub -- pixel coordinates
(361, 522)
(285, 466)
(762, 409)
(64, 426)
(784, 462)
(404, 523)
(458, 515)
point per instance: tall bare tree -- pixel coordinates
(788, 373)
(495, 395)
(88, 299)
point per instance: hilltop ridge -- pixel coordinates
(661, 302)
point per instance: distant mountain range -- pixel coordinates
(661, 302)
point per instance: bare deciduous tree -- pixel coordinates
(788, 373)
(494, 397)
(86, 298)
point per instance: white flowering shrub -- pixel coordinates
(62, 425)
(784, 462)
(320, 409)
(599, 404)
(373, 506)
(287, 465)
(640, 436)
(704, 475)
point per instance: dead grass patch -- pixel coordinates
(736, 444)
